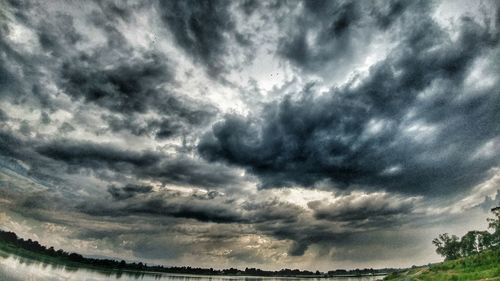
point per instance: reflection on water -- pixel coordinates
(20, 269)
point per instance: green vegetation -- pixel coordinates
(476, 256)
(483, 266)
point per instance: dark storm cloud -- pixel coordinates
(333, 21)
(389, 12)
(66, 128)
(368, 133)
(133, 86)
(57, 34)
(3, 116)
(92, 155)
(212, 206)
(127, 191)
(303, 233)
(129, 86)
(45, 118)
(272, 217)
(143, 164)
(188, 171)
(120, 10)
(166, 204)
(10, 81)
(103, 136)
(370, 209)
(180, 119)
(211, 212)
(355, 214)
(24, 73)
(10, 144)
(272, 211)
(333, 32)
(202, 29)
(127, 80)
(249, 6)
(283, 221)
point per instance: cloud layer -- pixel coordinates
(248, 133)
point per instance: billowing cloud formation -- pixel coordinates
(200, 28)
(361, 207)
(333, 24)
(144, 164)
(411, 125)
(205, 30)
(250, 133)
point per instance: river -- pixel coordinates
(14, 268)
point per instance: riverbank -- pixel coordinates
(483, 266)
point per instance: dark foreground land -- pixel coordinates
(11, 243)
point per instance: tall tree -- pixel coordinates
(448, 246)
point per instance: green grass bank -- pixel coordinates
(483, 266)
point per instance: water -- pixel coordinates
(14, 268)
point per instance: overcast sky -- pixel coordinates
(271, 134)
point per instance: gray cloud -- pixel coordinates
(205, 207)
(490, 202)
(306, 138)
(334, 23)
(169, 206)
(3, 116)
(143, 164)
(117, 76)
(368, 210)
(88, 154)
(327, 36)
(127, 191)
(113, 139)
(130, 86)
(201, 29)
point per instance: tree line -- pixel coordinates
(452, 247)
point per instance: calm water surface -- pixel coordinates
(15, 268)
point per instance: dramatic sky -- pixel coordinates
(309, 134)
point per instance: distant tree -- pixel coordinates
(473, 242)
(485, 240)
(447, 246)
(75, 257)
(51, 251)
(494, 224)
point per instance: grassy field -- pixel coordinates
(484, 266)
